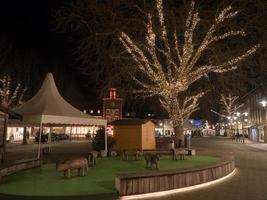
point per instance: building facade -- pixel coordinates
(255, 103)
(164, 127)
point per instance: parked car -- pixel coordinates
(44, 137)
(61, 136)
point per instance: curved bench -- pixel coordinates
(19, 166)
(141, 183)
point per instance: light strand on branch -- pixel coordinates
(166, 76)
(10, 96)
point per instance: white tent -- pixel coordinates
(49, 107)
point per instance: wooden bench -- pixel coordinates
(181, 152)
(136, 153)
(158, 151)
(46, 150)
(19, 165)
(191, 152)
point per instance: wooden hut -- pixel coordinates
(134, 134)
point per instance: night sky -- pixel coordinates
(29, 25)
(31, 46)
(29, 28)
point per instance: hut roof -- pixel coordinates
(130, 122)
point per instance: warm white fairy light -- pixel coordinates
(167, 79)
(8, 96)
(230, 104)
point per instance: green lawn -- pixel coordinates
(45, 181)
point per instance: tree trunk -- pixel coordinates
(179, 136)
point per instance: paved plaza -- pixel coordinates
(249, 182)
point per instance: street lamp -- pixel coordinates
(263, 103)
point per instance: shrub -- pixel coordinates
(98, 141)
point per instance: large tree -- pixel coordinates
(169, 62)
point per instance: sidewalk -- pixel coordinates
(261, 146)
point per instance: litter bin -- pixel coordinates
(46, 150)
(171, 144)
(188, 141)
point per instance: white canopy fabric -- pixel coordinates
(49, 107)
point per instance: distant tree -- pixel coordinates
(11, 94)
(230, 105)
(98, 141)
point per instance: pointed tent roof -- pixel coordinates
(48, 106)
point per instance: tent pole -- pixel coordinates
(93, 131)
(39, 144)
(49, 138)
(71, 133)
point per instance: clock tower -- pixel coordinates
(112, 106)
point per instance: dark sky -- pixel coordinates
(28, 25)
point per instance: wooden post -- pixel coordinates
(68, 173)
(93, 131)
(32, 131)
(39, 144)
(106, 139)
(24, 140)
(163, 128)
(265, 134)
(4, 137)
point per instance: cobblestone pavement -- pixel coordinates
(249, 183)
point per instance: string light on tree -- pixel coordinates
(171, 65)
(230, 106)
(10, 94)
